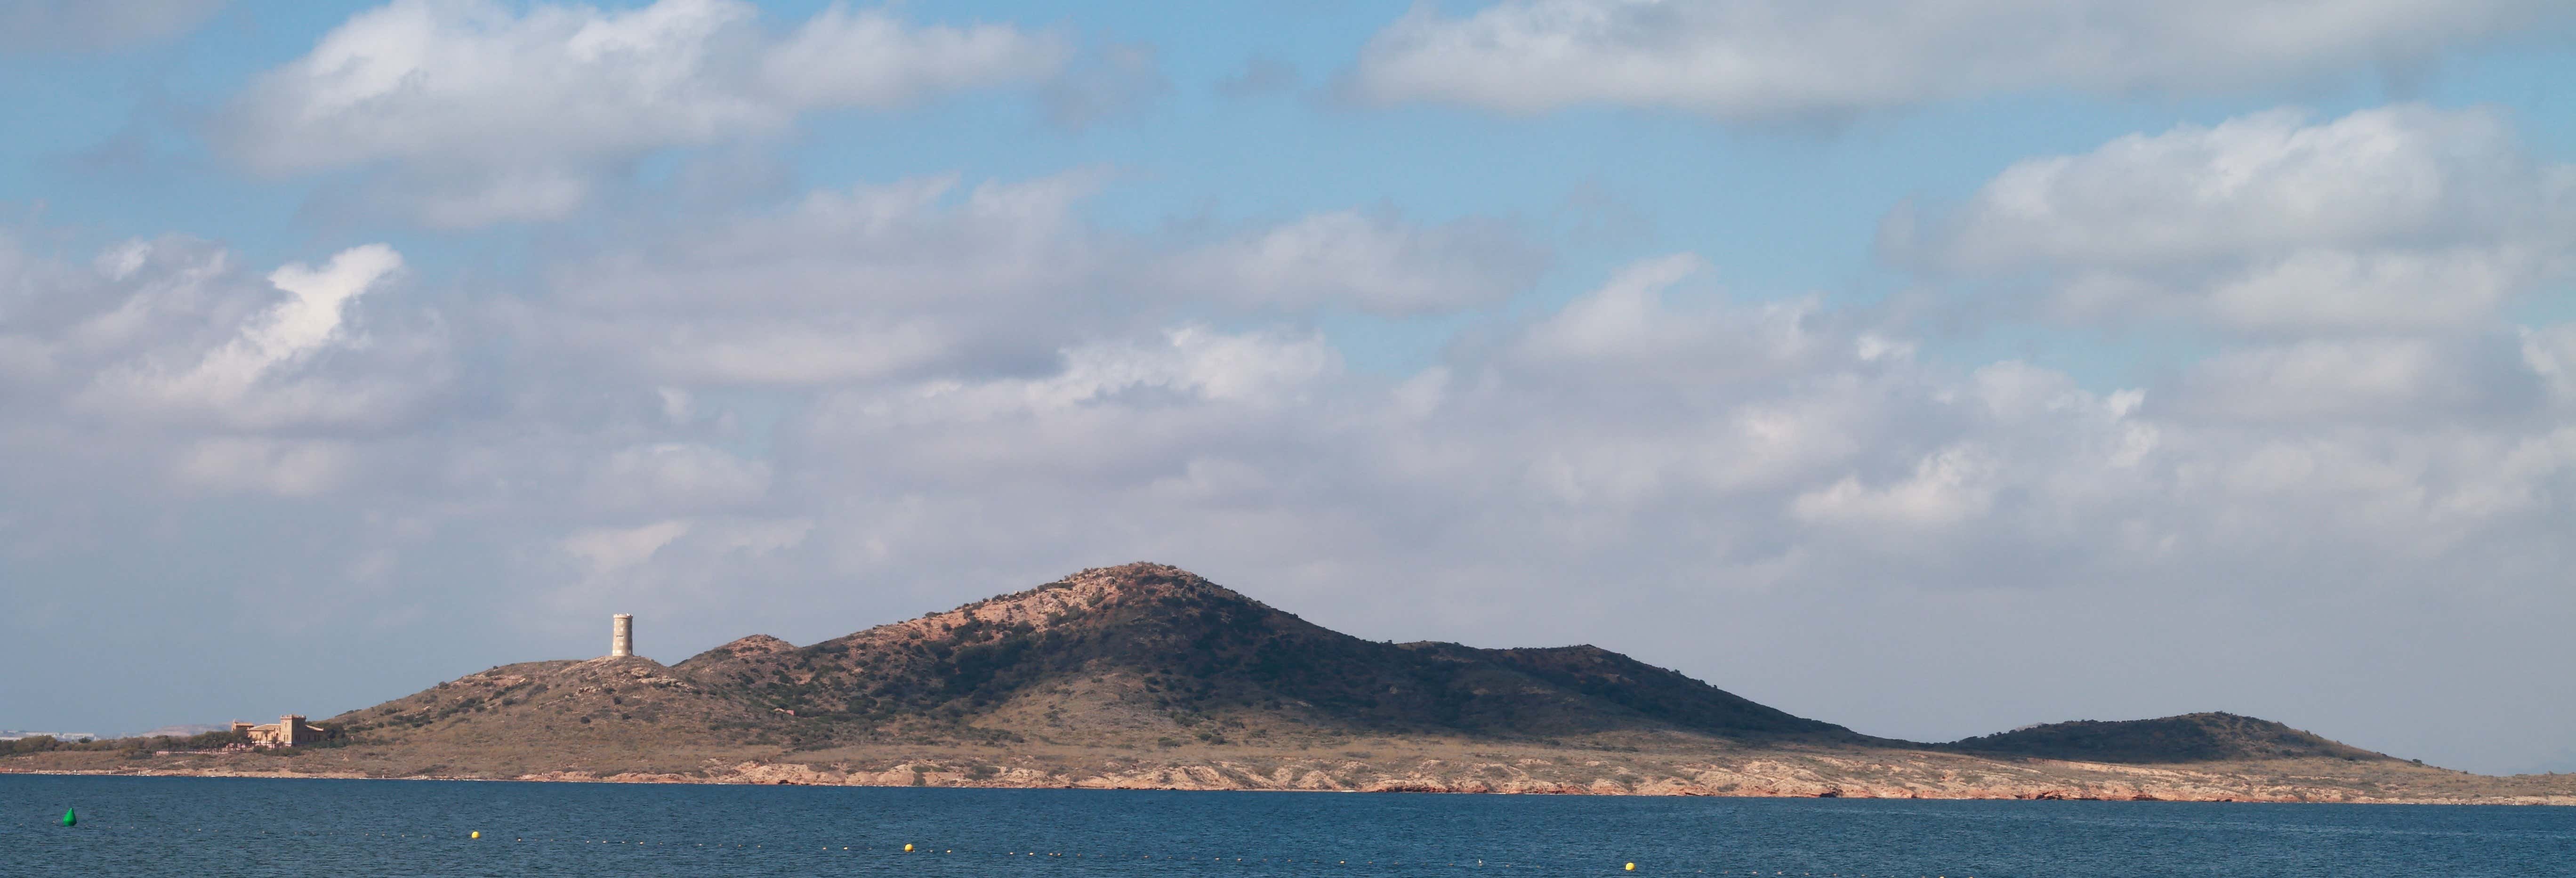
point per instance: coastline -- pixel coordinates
(1946, 777)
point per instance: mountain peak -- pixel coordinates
(1083, 594)
(1139, 579)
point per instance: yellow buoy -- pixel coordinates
(1632, 867)
(907, 849)
(477, 834)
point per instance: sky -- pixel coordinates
(1932, 369)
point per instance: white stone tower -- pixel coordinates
(621, 636)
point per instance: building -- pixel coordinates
(289, 730)
(621, 635)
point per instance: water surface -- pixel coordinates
(136, 826)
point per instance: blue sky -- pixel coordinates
(1502, 323)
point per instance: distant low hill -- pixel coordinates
(2195, 737)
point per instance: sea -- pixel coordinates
(153, 826)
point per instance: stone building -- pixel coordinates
(289, 730)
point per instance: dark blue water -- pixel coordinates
(222, 826)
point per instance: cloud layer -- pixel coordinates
(1758, 59)
(2386, 220)
(468, 112)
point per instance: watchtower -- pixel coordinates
(621, 635)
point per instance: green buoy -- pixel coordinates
(70, 818)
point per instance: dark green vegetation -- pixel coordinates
(2195, 737)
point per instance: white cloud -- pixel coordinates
(2551, 354)
(2390, 219)
(931, 275)
(1110, 410)
(1946, 489)
(1256, 368)
(312, 318)
(1629, 326)
(63, 320)
(1740, 59)
(869, 58)
(474, 113)
(1373, 262)
(852, 285)
(163, 364)
(256, 376)
(2366, 379)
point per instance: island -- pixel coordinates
(1146, 676)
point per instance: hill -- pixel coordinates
(1143, 652)
(2195, 737)
(611, 715)
(1138, 656)
(1147, 676)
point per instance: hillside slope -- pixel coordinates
(2194, 737)
(534, 716)
(1144, 652)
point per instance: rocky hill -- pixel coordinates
(2195, 737)
(1147, 676)
(1138, 656)
(1148, 655)
(1143, 652)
